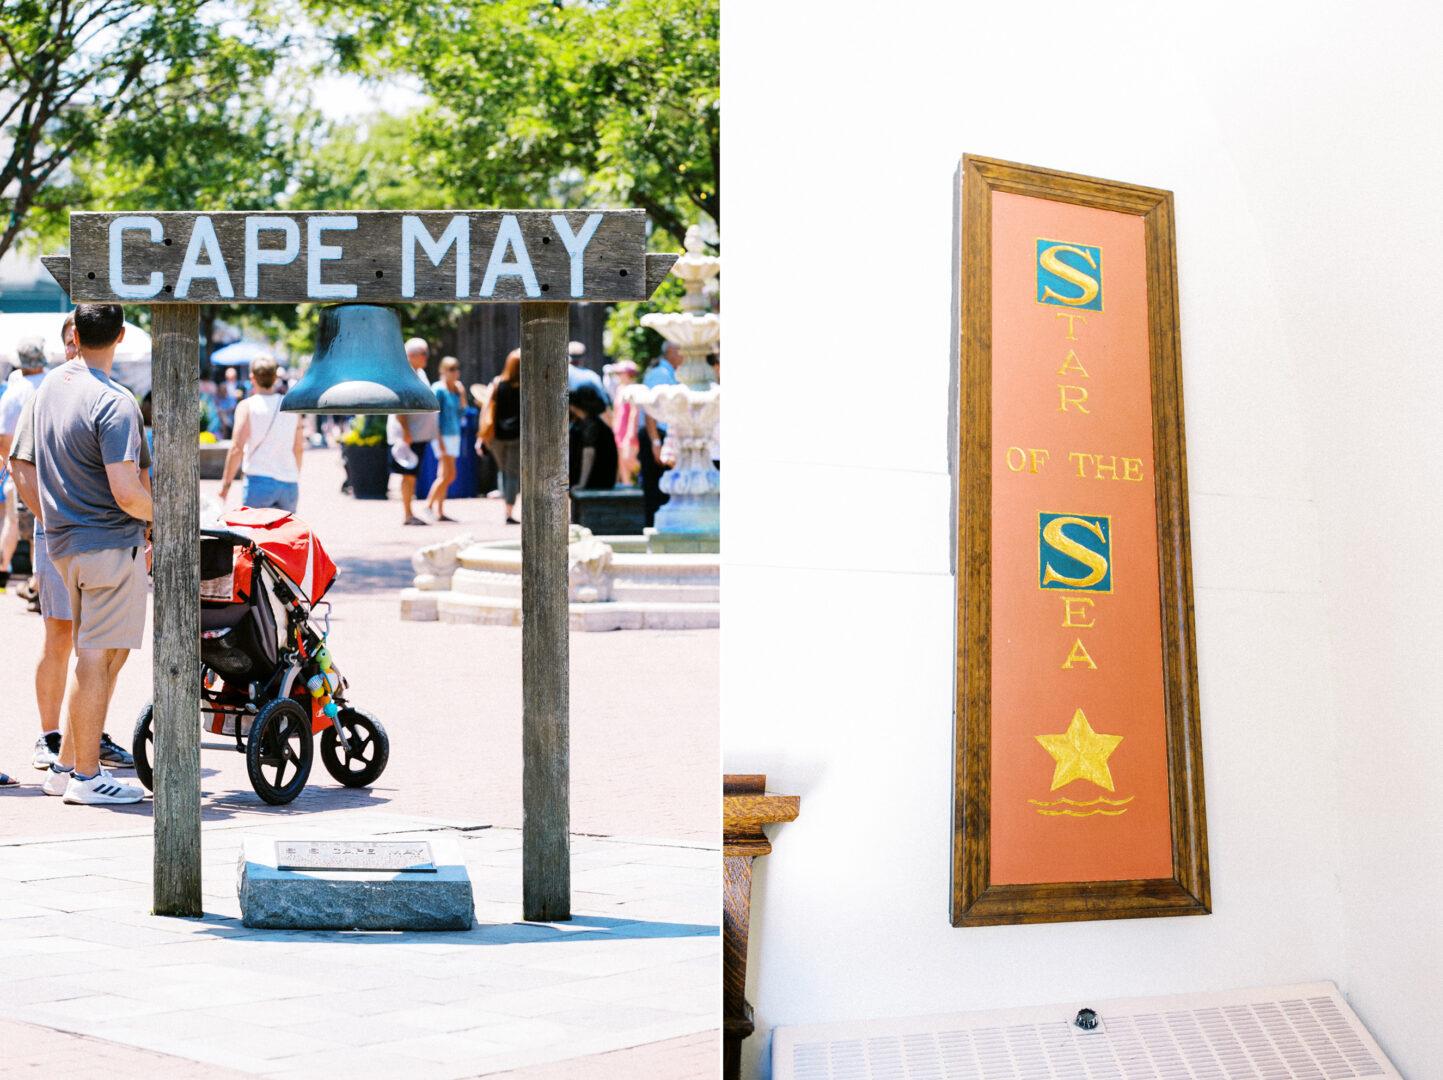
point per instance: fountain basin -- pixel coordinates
(615, 585)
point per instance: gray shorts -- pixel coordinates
(54, 597)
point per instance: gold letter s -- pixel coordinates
(1089, 285)
(1059, 541)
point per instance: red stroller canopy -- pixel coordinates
(290, 544)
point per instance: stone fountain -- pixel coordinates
(670, 579)
(690, 410)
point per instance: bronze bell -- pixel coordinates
(360, 367)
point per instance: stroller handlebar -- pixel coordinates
(219, 532)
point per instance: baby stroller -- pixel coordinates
(267, 679)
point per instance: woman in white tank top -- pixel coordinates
(268, 442)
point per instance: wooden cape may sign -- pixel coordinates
(175, 261)
(1078, 765)
(378, 256)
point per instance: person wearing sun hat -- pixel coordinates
(30, 354)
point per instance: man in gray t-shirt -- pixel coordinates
(54, 600)
(95, 509)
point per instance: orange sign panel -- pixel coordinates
(1079, 774)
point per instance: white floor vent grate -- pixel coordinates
(1303, 1032)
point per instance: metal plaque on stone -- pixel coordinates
(406, 856)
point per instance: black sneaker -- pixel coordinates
(47, 750)
(113, 754)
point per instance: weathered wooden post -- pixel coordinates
(545, 615)
(175, 401)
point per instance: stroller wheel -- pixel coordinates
(279, 751)
(143, 747)
(365, 754)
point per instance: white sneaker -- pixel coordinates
(56, 781)
(102, 788)
(47, 750)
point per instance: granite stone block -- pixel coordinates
(275, 899)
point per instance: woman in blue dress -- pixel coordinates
(448, 445)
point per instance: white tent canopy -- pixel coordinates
(16, 327)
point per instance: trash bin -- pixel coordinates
(465, 484)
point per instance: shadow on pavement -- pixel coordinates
(224, 806)
(219, 807)
(373, 575)
(602, 929)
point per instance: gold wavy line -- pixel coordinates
(1089, 813)
(1064, 801)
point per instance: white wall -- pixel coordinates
(1303, 145)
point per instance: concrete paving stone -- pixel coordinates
(70, 903)
(31, 869)
(181, 1025)
(94, 881)
(255, 984)
(690, 1057)
(84, 927)
(499, 976)
(613, 1015)
(448, 1049)
(93, 981)
(41, 948)
(692, 858)
(291, 1011)
(15, 909)
(530, 1004)
(442, 990)
(354, 1063)
(359, 1004)
(163, 1041)
(494, 913)
(702, 999)
(98, 876)
(184, 994)
(538, 1035)
(611, 962)
(356, 1031)
(25, 926)
(632, 984)
(614, 874)
(103, 1006)
(98, 847)
(44, 986)
(250, 1031)
(441, 1018)
(32, 1051)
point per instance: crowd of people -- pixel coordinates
(612, 441)
(74, 454)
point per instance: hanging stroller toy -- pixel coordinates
(271, 689)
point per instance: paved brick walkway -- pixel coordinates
(645, 763)
(37, 1052)
(637, 964)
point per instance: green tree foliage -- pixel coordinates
(133, 103)
(562, 104)
(346, 166)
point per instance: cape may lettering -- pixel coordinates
(378, 256)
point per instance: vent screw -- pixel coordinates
(1086, 1019)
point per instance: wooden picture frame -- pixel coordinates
(988, 754)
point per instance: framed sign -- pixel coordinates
(1078, 765)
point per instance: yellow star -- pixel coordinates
(1081, 753)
